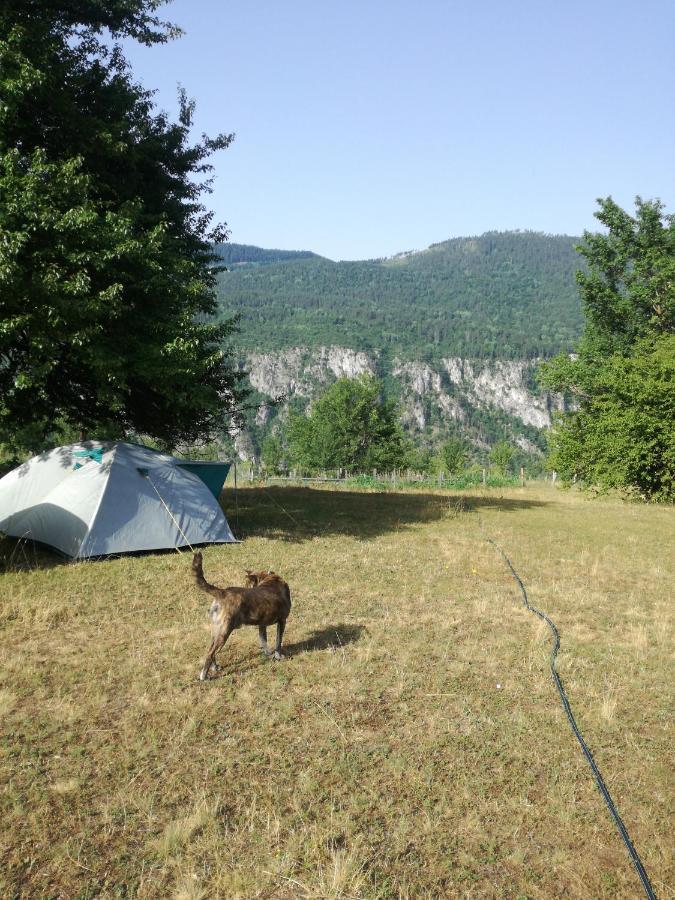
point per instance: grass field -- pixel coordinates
(412, 743)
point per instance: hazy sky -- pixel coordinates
(368, 128)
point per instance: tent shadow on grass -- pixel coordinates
(298, 514)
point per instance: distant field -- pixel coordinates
(380, 759)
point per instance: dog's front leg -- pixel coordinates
(262, 635)
(216, 644)
(281, 624)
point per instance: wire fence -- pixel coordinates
(250, 474)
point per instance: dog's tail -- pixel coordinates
(198, 571)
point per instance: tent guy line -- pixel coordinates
(145, 474)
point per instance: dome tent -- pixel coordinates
(102, 497)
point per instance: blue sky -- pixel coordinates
(364, 129)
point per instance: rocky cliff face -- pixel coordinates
(432, 396)
(503, 385)
(300, 371)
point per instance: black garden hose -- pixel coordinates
(602, 787)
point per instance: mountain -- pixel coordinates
(503, 295)
(455, 332)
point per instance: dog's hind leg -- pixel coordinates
(262, 635)
(281, 624)
(216, 644)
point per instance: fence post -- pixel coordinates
(554, 476)
(522, 477)
(484, 478)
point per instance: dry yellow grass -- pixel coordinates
(380, 759)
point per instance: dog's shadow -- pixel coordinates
(331, 637)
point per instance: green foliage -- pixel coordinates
(272, 453)
(454, 455)
(349, 427)
(419, 458)
(501, 295)
(501, 455)
(106, 263)
(628, 291)
(622, 433)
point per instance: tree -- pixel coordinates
(621, 432)
(272, 452)
(454, 455)
(420, 458)
(107, 275)
(501, 455)
(349, 427)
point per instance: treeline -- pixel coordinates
(240, 254)
(499, 296)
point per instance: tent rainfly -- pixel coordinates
(96, 498)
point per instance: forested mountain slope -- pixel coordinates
(503, 295)
(234, 255)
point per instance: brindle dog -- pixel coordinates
(266, 600)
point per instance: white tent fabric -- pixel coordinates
(98, 498)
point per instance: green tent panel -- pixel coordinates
(213, 474)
